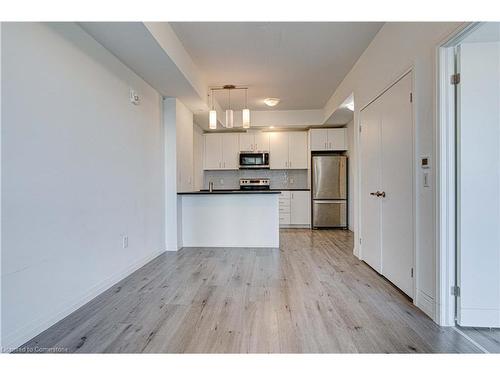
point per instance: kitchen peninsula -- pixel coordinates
(230, 218)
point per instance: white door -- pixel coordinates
(297, 150)
(387, 185)
(371, 250)
(230, 151)
(247, 142)
(261, 142)
(397, 183)
(300, 207)
(213, 151)
(478, 182)
(319, 139)
(337, 139)
(278, 153)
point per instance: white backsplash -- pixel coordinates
(280, 179)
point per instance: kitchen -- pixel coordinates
(275, 167)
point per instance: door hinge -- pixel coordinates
(455, 79)
(360, 126)
(360, 240)
(411, 272)
(411, 97)
(455, 291)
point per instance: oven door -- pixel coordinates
(254, 160)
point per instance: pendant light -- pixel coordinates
(229, 113)
(246, 112)
(212, 115)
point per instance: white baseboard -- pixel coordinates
(35, 327)
(426, 303)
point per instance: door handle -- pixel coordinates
(381, 194)
(374, 193)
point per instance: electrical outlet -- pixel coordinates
(125, 242)
(221, 181)
(292, 180)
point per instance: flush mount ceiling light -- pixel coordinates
(350, 106)
(245, 113)
(271, 102)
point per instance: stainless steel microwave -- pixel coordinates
(254, 160)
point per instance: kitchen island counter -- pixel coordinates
(230, 218)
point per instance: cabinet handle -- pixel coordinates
(326, 145)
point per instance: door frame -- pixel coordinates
(409, 70)
(445, 193)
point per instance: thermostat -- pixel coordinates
(425, 162)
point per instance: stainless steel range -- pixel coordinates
(255, 183)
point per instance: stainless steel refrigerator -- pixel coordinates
(329, 191)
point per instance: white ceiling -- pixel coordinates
(302, 63)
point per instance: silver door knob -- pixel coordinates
(374, 193)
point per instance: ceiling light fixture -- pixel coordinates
(350, 106)
(245, 113)
(271, 102)
(212, 115)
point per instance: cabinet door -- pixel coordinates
(297, 150)
(213, 151)
(319, 139)
(262, 142)
(278, 152)
(300, 208)
(230, 151)
(247, 142)
(337, 139)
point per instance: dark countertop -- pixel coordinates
(217, 192)
(292, 189)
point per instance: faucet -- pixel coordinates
(211, 186)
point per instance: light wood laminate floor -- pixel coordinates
(311, 295)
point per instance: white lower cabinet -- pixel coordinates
(295, 209)
(300, 208)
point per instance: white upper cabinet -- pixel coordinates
(230, 147)
(262, 142)
(337, 139)
(319, 139)
(254, 142)
(221, 151)
(213, 151)
(334, 139)
(297, 150)
(288, 150)
(278, 153)
(247, 142)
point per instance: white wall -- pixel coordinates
(178, 140)
(81, 167)
(396, 48)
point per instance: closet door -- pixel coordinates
(371, 251)
(397, 184)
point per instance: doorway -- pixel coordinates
(469, 196)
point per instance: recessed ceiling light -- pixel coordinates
(271, 102)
